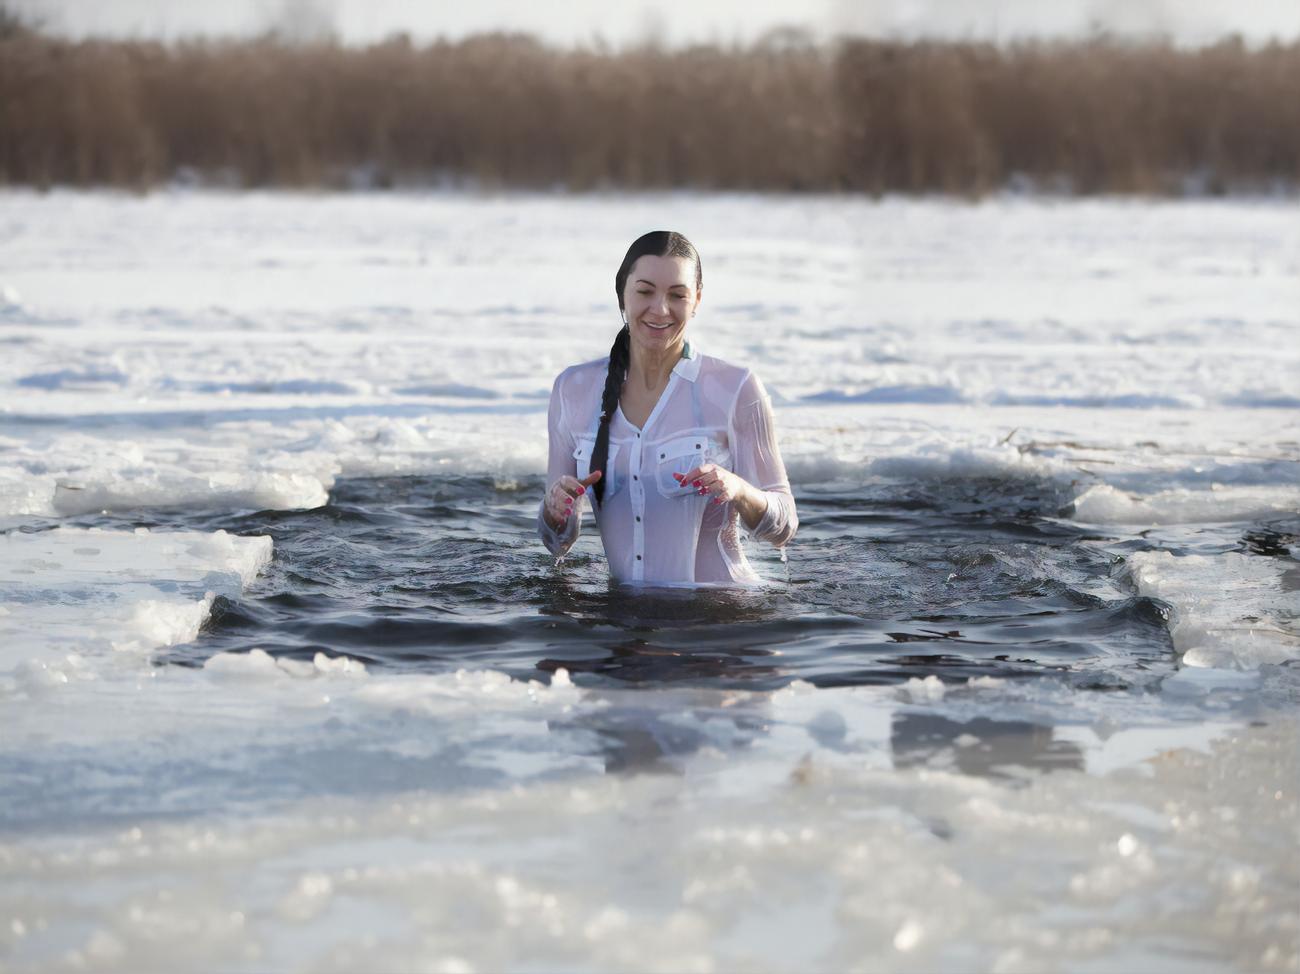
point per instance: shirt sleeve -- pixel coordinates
(559, 462)
(758, 460)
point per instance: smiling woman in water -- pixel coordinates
(673, 447)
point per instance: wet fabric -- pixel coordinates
(653, 529)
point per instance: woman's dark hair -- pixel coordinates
(657, 243)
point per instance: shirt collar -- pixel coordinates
(688, 366)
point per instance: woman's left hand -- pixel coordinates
(709, 478)
(727, 487)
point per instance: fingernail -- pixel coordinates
(678, 476)
(581, 491)
(695, 483)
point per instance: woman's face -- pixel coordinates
(660, 297)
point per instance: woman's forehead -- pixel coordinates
(664, 271)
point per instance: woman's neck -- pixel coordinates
(650, 370)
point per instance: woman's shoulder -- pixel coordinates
(582, 374)
(729, 375)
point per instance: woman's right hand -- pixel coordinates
(561, 497)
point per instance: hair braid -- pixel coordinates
(619, 357)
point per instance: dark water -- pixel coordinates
(884, 582)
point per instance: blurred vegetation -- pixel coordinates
(784, 114)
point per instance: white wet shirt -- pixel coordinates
(654, 530)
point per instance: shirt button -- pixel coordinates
(638, 519)
(635, 477)
(638, 557)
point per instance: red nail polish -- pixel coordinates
(695, 483)
(581, 490)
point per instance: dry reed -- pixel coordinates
(504, 110)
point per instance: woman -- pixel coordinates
(672, 446)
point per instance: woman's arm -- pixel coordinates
(767, 499)
(559, 536)
(758, 488)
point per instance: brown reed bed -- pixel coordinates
(504, 110)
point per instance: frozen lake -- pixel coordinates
(290, 683)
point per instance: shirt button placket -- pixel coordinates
(638, 508)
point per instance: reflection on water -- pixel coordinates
(633, 738)
(981, 746)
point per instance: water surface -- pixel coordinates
(886, 581)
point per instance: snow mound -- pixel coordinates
(1230, 611)
(88, 590)
(1103, 504)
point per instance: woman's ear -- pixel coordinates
(699, 297)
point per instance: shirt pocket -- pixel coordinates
(682, 454)
(582, 463)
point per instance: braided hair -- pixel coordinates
(657, 243)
